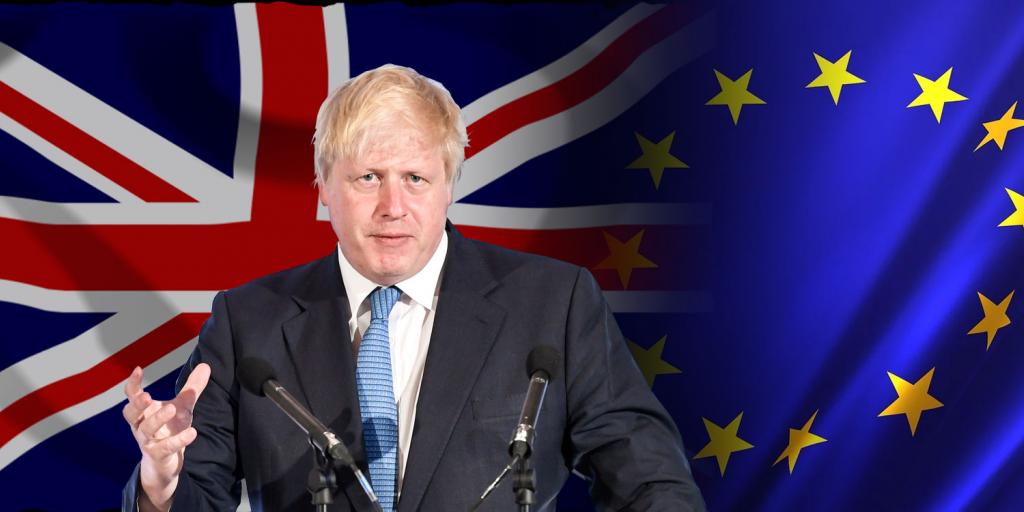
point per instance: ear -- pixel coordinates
(322, 193)
(451, 191)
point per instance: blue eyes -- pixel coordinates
(370, 177)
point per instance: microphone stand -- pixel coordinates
(540, 366)
(524, 484)
(494, 485)
(329, 453)
(322, 482)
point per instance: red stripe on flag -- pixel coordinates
(156, 257)
(87, 149)
(220, 257)
(581, 84)
(73, 390)
(294, 52)
(682, 253)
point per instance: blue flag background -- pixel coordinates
(853, 240)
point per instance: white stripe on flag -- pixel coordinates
(664, 214)
(538, 138)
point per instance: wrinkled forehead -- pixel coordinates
(397, 139)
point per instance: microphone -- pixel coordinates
(258, 377)
(541, 365)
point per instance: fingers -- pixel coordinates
(194, 386)
(130, 414)
(162, 462)
(151, 425)
(133, 389)
(161, 436)
(133, 385)
(139, 401)
(172, 445)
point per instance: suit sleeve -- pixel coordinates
(210, 479)
(621, 438)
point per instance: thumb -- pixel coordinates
(194, 386)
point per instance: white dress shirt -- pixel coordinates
(409, 327)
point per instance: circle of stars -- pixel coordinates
(913, 399)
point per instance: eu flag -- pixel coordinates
(864, 351)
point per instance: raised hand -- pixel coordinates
(162, 429)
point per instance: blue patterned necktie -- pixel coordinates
(377, 398)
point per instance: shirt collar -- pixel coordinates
(421, 287)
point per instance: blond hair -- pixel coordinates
(353, 114)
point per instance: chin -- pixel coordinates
(391, 272)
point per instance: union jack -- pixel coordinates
(177, 228)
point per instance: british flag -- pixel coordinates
(153, 155)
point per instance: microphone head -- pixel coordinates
(253, 372)
(546, 359)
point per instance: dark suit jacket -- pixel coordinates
(599, 417)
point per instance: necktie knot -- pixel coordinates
(382, 301)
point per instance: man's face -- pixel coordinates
(388, 206)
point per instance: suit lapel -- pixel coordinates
(465, 326)
(320, 348)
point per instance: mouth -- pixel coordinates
(390, 239)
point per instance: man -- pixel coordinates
(410, 342)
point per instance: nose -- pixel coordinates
(390, 200)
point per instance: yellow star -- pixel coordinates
(834, 75)
(995, 317)
(625, 257)
(798, 440)
(1017, 217)
(656, 157)
(998, 129)
(723, 443)
(650, 362)
(734, 94)
(913, 399)
(936, 93)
